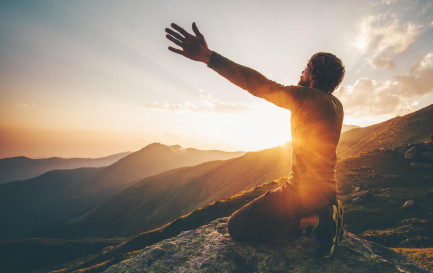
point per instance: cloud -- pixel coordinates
(389, 2)
(25, 104)
(419, 80)
(368, 97)
(383, 38)
(206, 104)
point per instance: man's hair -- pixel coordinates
(327, 71)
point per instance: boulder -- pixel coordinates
(408, 204)
(210, 249)
(412, 154)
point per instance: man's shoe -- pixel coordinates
(329, 229)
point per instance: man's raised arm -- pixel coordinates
(195, 48)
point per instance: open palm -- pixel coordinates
(193, 47)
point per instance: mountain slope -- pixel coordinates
(46, 199)
(29, 205)
(412, 128)
(21, 168)
(157, 200)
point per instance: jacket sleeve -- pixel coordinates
(288, 97)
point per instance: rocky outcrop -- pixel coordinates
(210, 249)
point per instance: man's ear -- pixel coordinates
(312, 80)
(314, 74)
(312, 83)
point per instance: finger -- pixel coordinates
(175, 34)
(181, 30)
(196, 31)
(174, 40)
(175, 50)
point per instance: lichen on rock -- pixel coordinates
(210, 249)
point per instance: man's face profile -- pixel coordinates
(305, 78)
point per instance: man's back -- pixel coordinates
(316, 123)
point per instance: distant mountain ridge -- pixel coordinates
(26, 206)
(159, 199)
(152, 159)
(22, 168)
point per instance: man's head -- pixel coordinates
(324, 71)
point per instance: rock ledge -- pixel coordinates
(210, 249)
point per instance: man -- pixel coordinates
(308, 200)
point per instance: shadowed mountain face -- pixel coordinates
(26, 206)
(412, 128)
(53, 196)
(157, 200)
(21, 168)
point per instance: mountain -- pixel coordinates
(374, 187)
(209, 248)
(348, 127)
(368, 177)
(159, 199)
(151, 160)
(29, 205)
(21, 168)
(415, 127)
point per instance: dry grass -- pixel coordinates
(421, 256)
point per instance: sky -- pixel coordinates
(93, 78)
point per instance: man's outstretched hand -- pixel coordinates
(193, 47)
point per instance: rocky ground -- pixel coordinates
(210, 249)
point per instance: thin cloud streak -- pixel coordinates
(206, 104)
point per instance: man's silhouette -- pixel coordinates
(308, 199)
